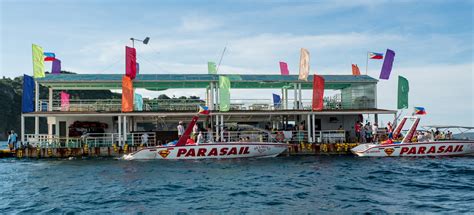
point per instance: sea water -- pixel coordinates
(327, 184)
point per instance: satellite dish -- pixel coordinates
(145, 41)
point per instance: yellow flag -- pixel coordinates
(304, 65)
(38, 62)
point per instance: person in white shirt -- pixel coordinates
(180, 129)
(200, 138)
(145, 139)
(375, 128)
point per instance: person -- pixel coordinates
(180, 129)
(9, 142)
(195, 132)
(357, 130)
(362, 134)
(199, 138)
(368, 129)
(144, 139)
(375, 129)
(13, 139)
(420, 137)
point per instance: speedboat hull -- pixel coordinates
(209, 151)
(438, 148)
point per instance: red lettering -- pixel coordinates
(191, 152)
(421, 150)
(202, 152)
(456, 148)
(246, 150)
(460, 148)
(213, 152)
(412, 151)
(241, 150)
(449, 149)
(432, 150)
(181, 151)
(440, 149)
(233, 151)
(224, 151)
(404, 149)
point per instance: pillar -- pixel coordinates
(217, 127)
(286, 98)
(125, 128)
(313, 122)
(216, 86)
(50, 99)
(222, 127)
(308, 128)
(376, 118)
(119, 123)
(22, 128)
(295, 102)
(36, 107)
(211, 96)
(300, 101)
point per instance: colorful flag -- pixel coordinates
(284, 68)
(403, 89)
(27, 98)
(420, 111)
(64, 101)
(127, 94)
(387, 65)
(130, 62)
(38, 63)
(375, 56)
(56, 68)
(224, 93)
(276, 101)
(211, 68)
(138, 102)
(318, 93)
(304, 65)
(355, 69)
(49, 56)
(203, 110)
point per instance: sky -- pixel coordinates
(433, 42)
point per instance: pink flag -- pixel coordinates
(130, 62)
(64, 101)
(284, 68)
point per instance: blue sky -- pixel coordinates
(433, 41)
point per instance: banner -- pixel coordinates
(27, 99)
(138, 102)
(56, 69)
(224, 93)
(387, 65)
(64, 101)
(355, 70)
(403, 89)
(127, 94)
(318, 93)
(284, 68)
(38, 62)
(304, 65)
(276, 101)
(211, 68)
(130, 62)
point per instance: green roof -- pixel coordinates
(174, 81)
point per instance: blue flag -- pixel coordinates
(276, 101)
(27, 99)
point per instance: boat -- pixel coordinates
(408, 148)
(183, 150)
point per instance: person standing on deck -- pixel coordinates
(144, 139)
(357, 131)
(375, 129)
(9, 142)
(180, 129)
(13, 139)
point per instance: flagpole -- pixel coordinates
(367, 63)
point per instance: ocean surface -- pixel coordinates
(321, 184)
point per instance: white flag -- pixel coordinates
(304, 65)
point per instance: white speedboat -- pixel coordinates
(219, 150)
(408, 148)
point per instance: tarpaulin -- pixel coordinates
(224, 93)
(318, 93)
(38, 63)
(130, 62)
(127, 94)
(27, 99)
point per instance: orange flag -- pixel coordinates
(318, 92)
(355, 69)
(127, 94)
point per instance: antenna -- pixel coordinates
(222, 56)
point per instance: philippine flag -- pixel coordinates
(204, 110)
(374, 55)
(420, 111)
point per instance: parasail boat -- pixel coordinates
(407, 148)
(215, 150)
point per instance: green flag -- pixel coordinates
(224, 93)
(38, 62)
(211, 68)
(403, 89)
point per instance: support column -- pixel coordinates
(119, 123)
(313, 122)
(211, 96)
(300, 100)
(308, 128)
(217, 128)
(218, 102)
(286, 98)
(222, 128)
(50, 102)
(22, 128)
(376, 118)
(282, 102)
(36, 107)
(295, 103)
(125, 128)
